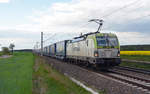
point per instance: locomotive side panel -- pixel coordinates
(82, 50)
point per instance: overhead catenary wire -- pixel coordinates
(117, 10)
(104, 16)
(132, 20)
(141, 17)
(63, 32)
(125, 6)
(50, 37)
(109, 14)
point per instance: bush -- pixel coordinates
(1, 54)
(5, 51)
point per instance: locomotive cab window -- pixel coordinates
(107, 41)
(113, 41)
(101, 41)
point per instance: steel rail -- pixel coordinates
(129, 82)
(131, 76)
(133, 69)
(135, 81)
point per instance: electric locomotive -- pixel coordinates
(99, 49)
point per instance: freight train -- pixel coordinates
(95, 49)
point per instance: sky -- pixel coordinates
(22, 21)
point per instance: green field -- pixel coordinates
(16, 74)
(20, 75)
(136, 57)
(136, 65)
(135, 47)
(48, 81)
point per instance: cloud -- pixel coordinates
(77, 12)
(132, 38)
(20, 43)
(21, 39)
(4, 1)
(69, 19)
(72, 16)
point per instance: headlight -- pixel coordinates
(118, 53)
(96, 54)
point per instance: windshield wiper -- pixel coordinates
(109, 42)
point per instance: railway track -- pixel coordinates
(132, 80)
(133, 69)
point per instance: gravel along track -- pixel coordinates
(96, 80)
(135, 81)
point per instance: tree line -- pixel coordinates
(135, 48)
(8, 50)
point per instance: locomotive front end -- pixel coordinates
(108, 49)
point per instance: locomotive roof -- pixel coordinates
(105, 34)
(96, 33)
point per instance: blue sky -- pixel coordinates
(21, 21)
(16, 11)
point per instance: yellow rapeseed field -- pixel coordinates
(135, 52)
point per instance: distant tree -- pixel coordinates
(5, 50)
(11, 47)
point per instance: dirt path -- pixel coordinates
(5, 56)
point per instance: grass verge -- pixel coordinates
(136, 57)
(47, 80)
(16, 74)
